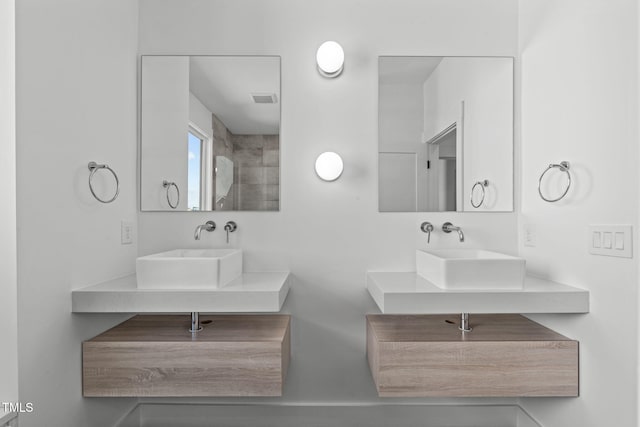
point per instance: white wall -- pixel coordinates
(402, 189)
(164, 126)
(579, 86)
(76, 102)
(8, 257)
(328, 234)
(400, 116)
(397, 175)
(199, 115)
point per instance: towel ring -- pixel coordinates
(482, 184)
(94, 167)
(166, 184)
(564, 167)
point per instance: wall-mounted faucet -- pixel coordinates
(230, 227)
(447, 227)
(427, 227)
(209, 226)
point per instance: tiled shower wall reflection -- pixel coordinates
(256, 161)
(256, 169)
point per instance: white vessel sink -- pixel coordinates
(189, 269)
(470, 269)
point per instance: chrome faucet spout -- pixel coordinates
(447, 227)
(208, 226)
(196, 235)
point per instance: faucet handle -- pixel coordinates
(230, 227)
(427, 227)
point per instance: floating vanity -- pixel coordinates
(418, 348)
(180, 355)
(156, 356)
(505, 355)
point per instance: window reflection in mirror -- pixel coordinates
(444, 123)
(200, 173)
(211, 124)
(194, 172)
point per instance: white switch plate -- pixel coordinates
(126, 232)
(610, 240)
(529, 235)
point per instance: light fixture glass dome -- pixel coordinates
(329, 166)
(330, 59)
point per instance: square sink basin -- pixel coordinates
(470, 269)
(189, 269)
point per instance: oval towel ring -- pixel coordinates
(94, 167)
(564, 167)
(166, 184)
(482, 184)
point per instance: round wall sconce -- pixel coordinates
(329, 166)
(330, 59)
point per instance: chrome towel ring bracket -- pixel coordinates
(94, 167)
(482, 184)
(167, 184)
(564, 167)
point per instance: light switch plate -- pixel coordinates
(611, 240)
(126, 232)
(529, 235)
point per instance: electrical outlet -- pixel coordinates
(126, 232)
(530, 236)
(610, 240)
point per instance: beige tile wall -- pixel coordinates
(256, 161)
(256, 168)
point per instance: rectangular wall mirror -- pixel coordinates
(445, 134)
(210, 133)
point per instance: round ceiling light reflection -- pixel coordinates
(329, 166)
(330, 59)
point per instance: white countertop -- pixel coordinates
(251, 292)
(408, 293)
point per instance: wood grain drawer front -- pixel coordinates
(526, 359)
(155, 356)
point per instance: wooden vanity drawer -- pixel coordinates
(234, 355)
(505, 355)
